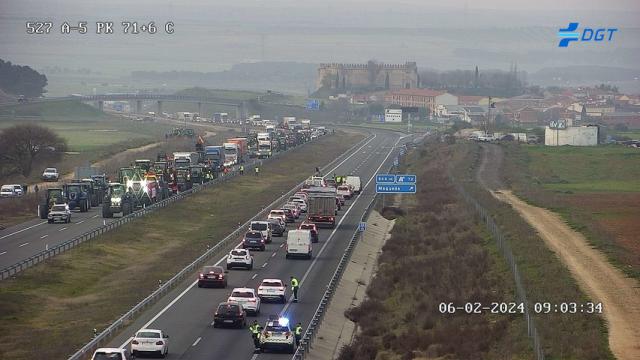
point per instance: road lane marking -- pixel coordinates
(224, 257)
(95, 216)
(19, 231)
(273, 255)
(80, 222)
(43, 236)
(2, 253)
(25, 244)
(265, 265)
(197, 341)
(306, 274)
(281, 245)
(63, 229)
(254, 276)
(213, 322)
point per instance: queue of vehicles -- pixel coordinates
(276, 334)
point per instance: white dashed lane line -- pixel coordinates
(95, 216)
(43, 236)
(197, 341)
(25, 244)
(63, 229)
(265, 264)
(2, 253)
(254, 276)
(80, 222)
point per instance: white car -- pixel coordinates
(344, 190)
(301, 203)
(150, 341)
(240, 258)
(50, 174)
(272, 289)
(277, 335)
(111, 354)
(246, 297)
(294, 208)
(274, 214)
(264, 227)
(12, 190)
(59, 212)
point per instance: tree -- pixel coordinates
(21, 80)
(20, 145)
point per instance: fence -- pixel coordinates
(503, 245)
(69, 244)
(123, 321)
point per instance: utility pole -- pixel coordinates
(486, 127)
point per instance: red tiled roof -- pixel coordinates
(416, 92)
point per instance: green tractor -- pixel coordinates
(117, 200)
(133, 178)
(53, 196)
(93, 190)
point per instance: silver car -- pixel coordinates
(59, 212)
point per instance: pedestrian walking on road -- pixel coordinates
(298, 333)
(36, 189)
(295, 284)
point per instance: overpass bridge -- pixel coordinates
(239, 106)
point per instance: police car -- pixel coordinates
(278, 336)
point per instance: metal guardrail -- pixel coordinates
(314, 325)
(69, 244)
(504, 246)
(124, 320)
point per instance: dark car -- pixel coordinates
(253, 240)
(290, 215)
(311, 227)
(229, 314)
(277, 228)
(212, 275)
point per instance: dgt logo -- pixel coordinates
(588, 34)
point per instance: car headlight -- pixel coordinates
(116, 201)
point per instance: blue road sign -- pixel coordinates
(362, 226)
(405, 179)
(313, 104)
(395, 189)
(385, 178)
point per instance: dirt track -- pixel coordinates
(601, 281)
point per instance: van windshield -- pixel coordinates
(259, 226)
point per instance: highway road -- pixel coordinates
(186, 314)
(29, 238)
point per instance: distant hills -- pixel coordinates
(586, 73)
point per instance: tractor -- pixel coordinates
(77, 196)
(117, 200)
(53, 196)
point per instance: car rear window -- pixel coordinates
(259, 226)
(253, 235)
(242, 294)
(107, 356)
(238, 253)
(343, 188)
(228, 309)
(277, 328)
(212, 269)
(148, 335)
(277, 212)
(271, 283)
(306, 227)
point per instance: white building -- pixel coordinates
(574, 136)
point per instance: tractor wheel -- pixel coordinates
(42, 211)
(106, 211)
(126, 209)
(95, 201)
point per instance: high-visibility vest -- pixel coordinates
(294, 282)
(255, 329)
(298, 330)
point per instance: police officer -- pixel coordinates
(241, 169)
(295, 284)
(255, 329)
(298, 332)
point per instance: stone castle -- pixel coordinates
(370, 76)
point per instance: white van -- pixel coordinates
(264, 227)
(354, 182)
(299, 243)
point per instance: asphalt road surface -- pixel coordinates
(186, 314)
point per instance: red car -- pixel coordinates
(212, 275)
(313, 228)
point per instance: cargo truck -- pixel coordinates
(214, 157)
(182, 160)
(306, 124)
(265, 147)
(322, 208)
(236, 154)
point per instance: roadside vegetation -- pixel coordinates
(564, 336)
(50, 310)
(437, 254)
(595, 189)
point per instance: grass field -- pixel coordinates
(595, 189)
(50, 316)
(632, 134)
(545, 278)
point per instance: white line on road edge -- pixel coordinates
(43, 236)
(197, 341)
(224, 257)
(25, 244)
(19, 231)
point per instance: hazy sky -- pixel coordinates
(212, 35)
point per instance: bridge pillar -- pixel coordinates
(138, 106)
(159, 112)
(200, 108)
(101, 105)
